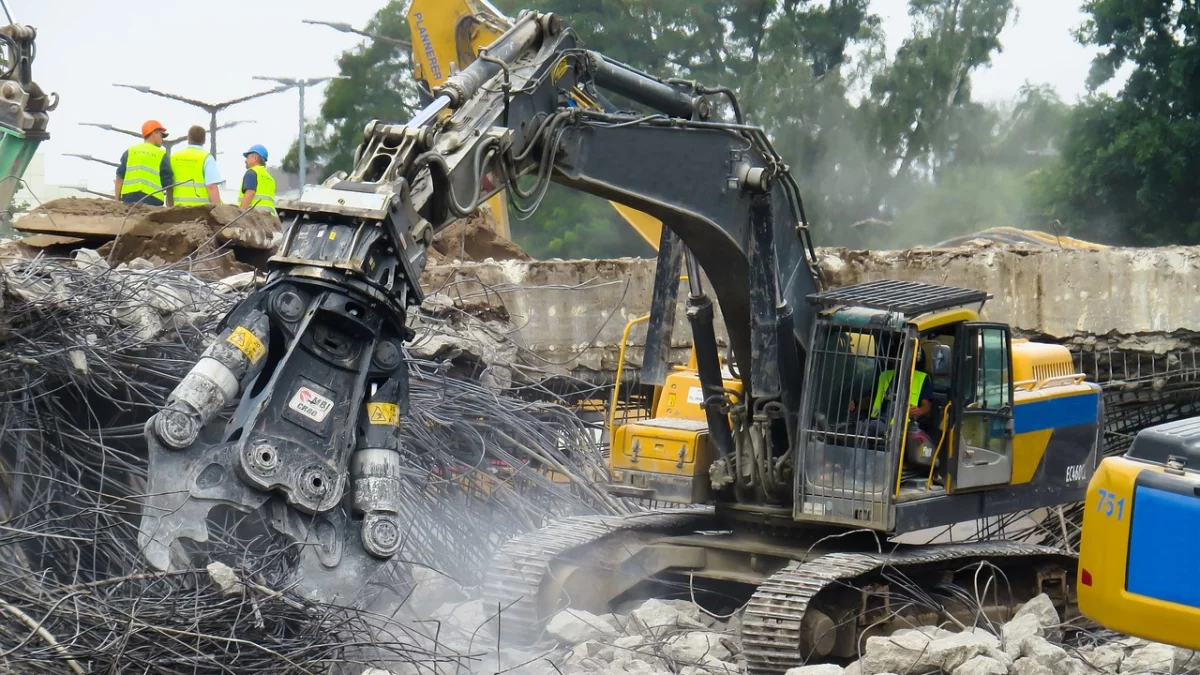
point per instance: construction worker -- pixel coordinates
(258, 187)
(144, 168)
(197, 178)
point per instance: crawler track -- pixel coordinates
(772, 630)
(520, 583)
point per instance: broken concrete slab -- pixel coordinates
(1014, 633)
(982, 665)
(575, 626)
(1152, 658)
(697, 646)
(1042, 608)
(821, 669)
(913, 651)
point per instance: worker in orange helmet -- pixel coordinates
(145, 168)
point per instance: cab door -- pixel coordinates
(983, 437)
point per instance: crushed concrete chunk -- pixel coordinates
(822, 669)
(1104, 659)
(1152, 658)
(78, 360)
(1015, 631)
(591, 649)
(695, 646)
(1186, 661)
(1043, 609)
(657, 615)
(225, 579)
(982, 665)
(913, 651)
(574, 626)
(1029, 667)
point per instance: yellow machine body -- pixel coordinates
(447, 35)
(669, 456)
(1139, 551)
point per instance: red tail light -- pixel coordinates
(1085, 578)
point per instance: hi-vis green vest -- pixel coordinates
(264, 196)
(885, 380)
(142, 166)
(188, 166)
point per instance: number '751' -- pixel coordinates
(1108, 503)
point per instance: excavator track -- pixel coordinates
(519, 580)
(515, 577)
(772, 631)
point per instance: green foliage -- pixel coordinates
(378, 86)
(871, 138)
(1128, 167)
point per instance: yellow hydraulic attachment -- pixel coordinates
(1138, 554)
(447, 36)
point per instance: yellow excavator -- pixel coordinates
(861, 413)
(1139, 551)
(448, 36)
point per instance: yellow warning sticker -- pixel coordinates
(248, 343)
(387, 414)
(332, 235)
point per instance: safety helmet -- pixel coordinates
(151, 126)
(259, 150)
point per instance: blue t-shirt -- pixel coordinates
(249, 181)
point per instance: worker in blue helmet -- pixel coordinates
(258, 187)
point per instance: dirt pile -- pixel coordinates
(473, 240)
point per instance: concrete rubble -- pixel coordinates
(672, 637)
(495, 306)
(569, 317)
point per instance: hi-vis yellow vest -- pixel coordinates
(188, 166)
(264, 196)
(885, 380)
(142, 166)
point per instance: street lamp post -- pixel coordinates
(90, 158)
(347, 28)
(300, 85)
(211, 108)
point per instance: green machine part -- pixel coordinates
(16, 152)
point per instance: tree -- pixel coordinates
(1128, 166)
(378, 85)
(866, 136)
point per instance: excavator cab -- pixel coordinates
(915, 409)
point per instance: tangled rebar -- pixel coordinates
(88, 353)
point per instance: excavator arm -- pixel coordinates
(312, 361)
(24, 108)
(448, 35)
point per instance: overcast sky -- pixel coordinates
(211, 50)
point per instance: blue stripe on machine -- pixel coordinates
(1054, 413)
(1161, 561)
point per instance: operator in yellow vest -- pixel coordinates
(258, 187)
(197, 178)
(920, 394)
(144, 169)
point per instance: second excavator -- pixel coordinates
(845, 417)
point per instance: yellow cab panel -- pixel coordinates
(1140, 552)
(667, 458)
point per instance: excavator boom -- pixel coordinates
(450, 34)
(24, 108)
